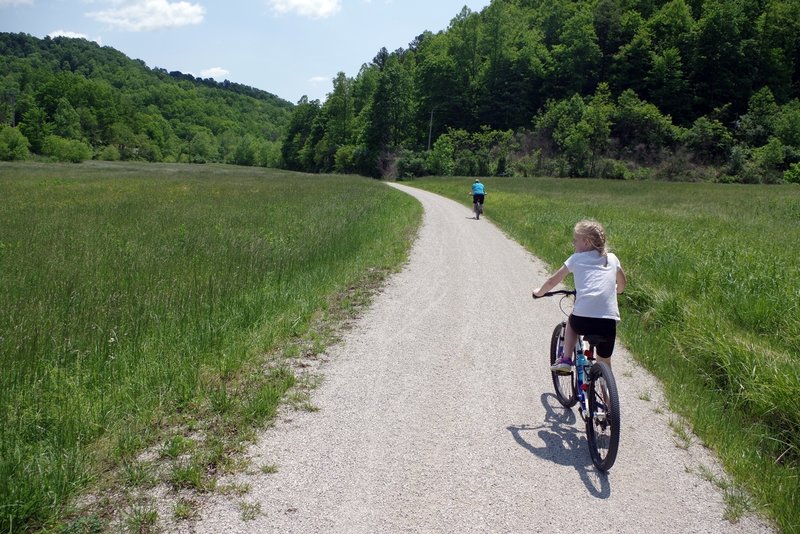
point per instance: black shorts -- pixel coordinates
(477, 198)
(607, 328)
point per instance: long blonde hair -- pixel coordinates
(595, 234)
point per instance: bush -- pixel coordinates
(411, 164)
(793, 174)
(612, 169)
(62, 149)
(344, 159)
(109, 153)
(709, 140)
(13, 144)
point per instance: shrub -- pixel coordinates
(793, 174)
(13, 144)
(709, 140)
(411, 164)
(62, 149)
(612, 169)
(109, 153)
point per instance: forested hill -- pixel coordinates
(73, 99)
(678, 89)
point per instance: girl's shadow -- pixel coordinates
(565, 443)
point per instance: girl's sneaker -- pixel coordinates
(563, 366)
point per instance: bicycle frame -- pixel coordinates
(591, 385)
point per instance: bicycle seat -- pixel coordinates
(594, 339)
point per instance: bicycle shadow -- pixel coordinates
(565, 443)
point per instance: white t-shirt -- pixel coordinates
(595, 283)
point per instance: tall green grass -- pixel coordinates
(131, 294)
(712, 305)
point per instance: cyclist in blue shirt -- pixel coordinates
(478, 193)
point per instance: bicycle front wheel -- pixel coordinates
(602, 425)
(565, 385)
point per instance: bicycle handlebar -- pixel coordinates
(556, 292)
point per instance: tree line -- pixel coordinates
(678, 90)
(71, 99)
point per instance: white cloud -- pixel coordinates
(12, 3)
(307, 8)
(145, 15)
(217, 73)
(64, 33)
(74, 35)
(319, 79)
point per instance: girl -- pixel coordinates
(598, 279)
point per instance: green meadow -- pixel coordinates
(145, 303)
(711, 308)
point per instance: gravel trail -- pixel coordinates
(436, 414)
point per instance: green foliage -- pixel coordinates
(792, 175)
(520, 65)
(709, 140)
(640, 126)
(77, 90)
(13, 144)
(70, 150)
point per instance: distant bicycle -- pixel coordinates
(477, 204)
(590, 384)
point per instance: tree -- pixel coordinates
(13, 145)
(66, 121)
(298, 131)
(758, 124)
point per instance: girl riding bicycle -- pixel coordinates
(598, 279)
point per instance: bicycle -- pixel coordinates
(477, 207)
(592, 386)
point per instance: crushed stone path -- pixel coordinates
(436, 414)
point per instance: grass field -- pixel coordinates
(711, 308)
(141, 304)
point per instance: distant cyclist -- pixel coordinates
(478, 193)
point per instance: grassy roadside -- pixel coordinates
(148, 306)
(711, 308)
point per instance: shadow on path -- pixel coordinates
(564, 443)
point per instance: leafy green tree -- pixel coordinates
(203, 147)
(441, 160)
(723, 69)
(392, 108)
(66, 121)
(13, 145)
(576, 59)
(709, 141)
(758, 124)
(787, 124)
(779, 47)
(35, 127)
(68, 150)
(639, 125)
(631, 64)
(298, 131)
(668, 87)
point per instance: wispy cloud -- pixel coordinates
(145, 15)
(12, 3)
(74, 35)
(319, 79)
(214, 72)
(307, 8)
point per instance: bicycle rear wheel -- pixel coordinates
(565, 385)
(602, 425)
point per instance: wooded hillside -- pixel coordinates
(72, 99)
(679, 89)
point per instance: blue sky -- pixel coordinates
(288, 47)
